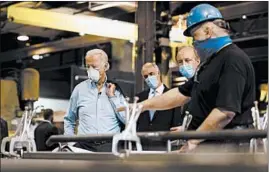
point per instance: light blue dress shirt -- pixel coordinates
(153, 93)
(96, 113)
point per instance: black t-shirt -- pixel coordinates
(42, 133)
(226, 81)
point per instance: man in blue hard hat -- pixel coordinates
(222, 90)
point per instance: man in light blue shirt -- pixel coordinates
(93, 103)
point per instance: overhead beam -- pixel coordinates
(256, 25)
(234, 11)
(52, 47)
(249, 38)
(87, 24)
(246, 8)
(256, 52)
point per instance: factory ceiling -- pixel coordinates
(254, 25)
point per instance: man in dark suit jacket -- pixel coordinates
(44, 130)
(4, 132)
(4, 129)
(159, 120)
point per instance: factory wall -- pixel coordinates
(54, 104)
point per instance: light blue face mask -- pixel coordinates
(152, 81)
(187, 70)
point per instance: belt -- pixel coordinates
(240, 127)
(235, 127)
(97, 143)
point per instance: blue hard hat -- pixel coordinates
(200, 14)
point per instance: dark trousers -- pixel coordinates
(102, 146)
(149, 145)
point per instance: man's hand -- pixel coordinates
(189, 147)
(131, 106)
(177, 129)
(182, 80)
(110, 91)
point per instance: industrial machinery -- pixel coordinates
(28, 90)
(21, 141)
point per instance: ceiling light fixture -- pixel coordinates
(37, 57)
(23, 38)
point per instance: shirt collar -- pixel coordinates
(93, 84)
(159, 90)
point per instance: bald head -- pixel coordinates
(150, 67)
(187, 55)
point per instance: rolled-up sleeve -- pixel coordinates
(231, 88)
(118, 101)
(186, 88)
(71, 114)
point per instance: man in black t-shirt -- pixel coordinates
(222, 90)
(44, 130)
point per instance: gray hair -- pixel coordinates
(149, 65)
(100, 52)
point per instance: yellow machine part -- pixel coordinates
(264, 92)
(30, 84)
(9, 100)
(92, 25)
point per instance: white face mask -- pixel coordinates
(93, 74)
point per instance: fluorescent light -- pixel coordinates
(37, 57)
(23, 38)
(244, 17)
(132, 41)
(81, 34)
(111, 4)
